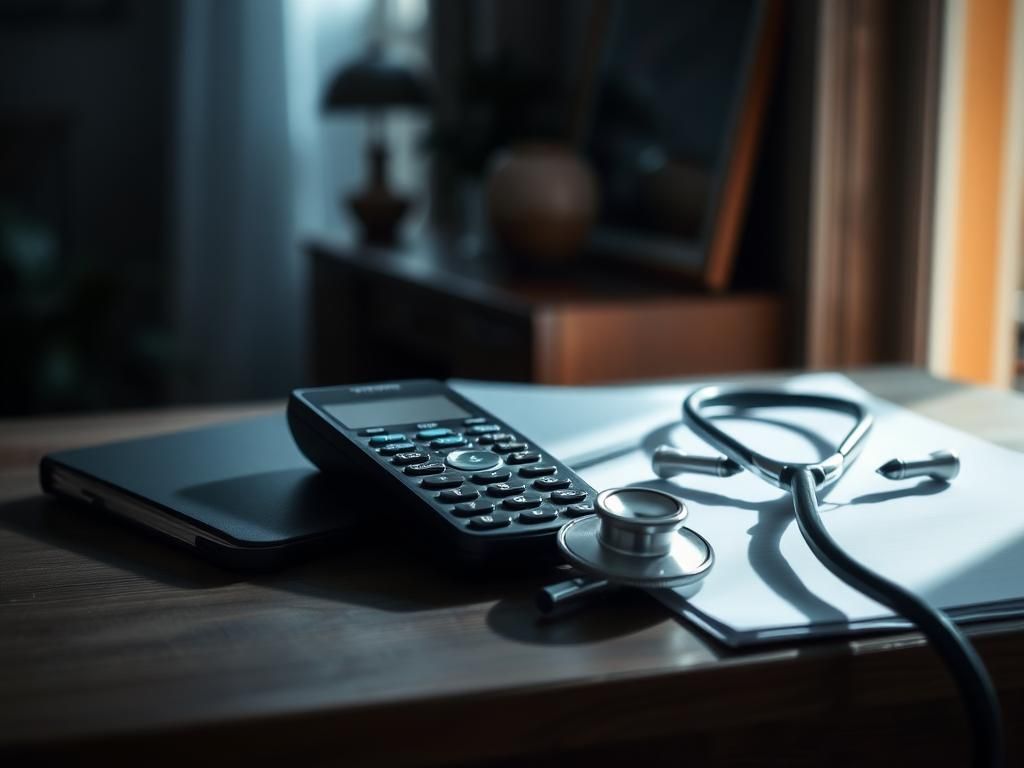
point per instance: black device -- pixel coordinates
(239, 494)
(473, 481)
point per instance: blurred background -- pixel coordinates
(220, 201)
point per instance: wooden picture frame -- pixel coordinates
(706, 257)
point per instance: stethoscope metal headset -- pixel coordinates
(637, 537)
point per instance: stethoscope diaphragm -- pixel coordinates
(637, 539)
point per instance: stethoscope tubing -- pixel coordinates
(961, 659)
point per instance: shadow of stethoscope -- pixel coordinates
(774, 517)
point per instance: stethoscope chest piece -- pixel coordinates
(637, 539)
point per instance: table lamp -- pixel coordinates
(374, 84)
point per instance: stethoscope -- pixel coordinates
(637, 537)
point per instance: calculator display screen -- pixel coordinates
(398, 410)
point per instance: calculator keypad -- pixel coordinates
(482, 476)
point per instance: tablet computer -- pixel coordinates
(240, 494)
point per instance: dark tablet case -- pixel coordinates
(245, 482)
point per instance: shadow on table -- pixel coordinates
(620, 613)
(385, 574)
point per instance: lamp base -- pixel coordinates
(377, 209)
(379, 212)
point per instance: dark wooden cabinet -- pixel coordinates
(392, 314)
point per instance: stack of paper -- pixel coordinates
(961, 546)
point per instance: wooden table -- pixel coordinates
(113, 645)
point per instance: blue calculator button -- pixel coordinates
(385, 439)
(430, 434)
(482, 429)
(475, 420)
(448, 442)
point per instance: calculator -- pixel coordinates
(442, 462)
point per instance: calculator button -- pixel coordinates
(495, 437)
(470, 460)
(543, 514)
(385, 439)
(392, 448)
(430, 434)
(579, 510)
(482, 429)
(537, 471)
(433, 468)
(473, 508)
(474, 420)
(372, 431)
(455, 495)
(501, 490)
(489, 522)
(452, 441)
(568, 496)
(523, 501)
(508, 447)
(442, 481)
(551, 483)
(494, 476)
(411, 457)
(523, 457)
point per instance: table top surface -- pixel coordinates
(452, 270)
(105, 632)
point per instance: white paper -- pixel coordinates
(961, 546)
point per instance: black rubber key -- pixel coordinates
(523, 457)
(501, 490)
(412, 457)
(433, 468)
(494, 476)
(537, 471)
(539, 515)
(473, 508)
(523, 501)
(489, 522)
(457, 495)
(551, 483)
(442, 481)
(579, 510)
(392, 448)
(568, 496)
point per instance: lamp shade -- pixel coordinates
(372, 81)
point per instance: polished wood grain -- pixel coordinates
(116, 646)
(871, 206)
